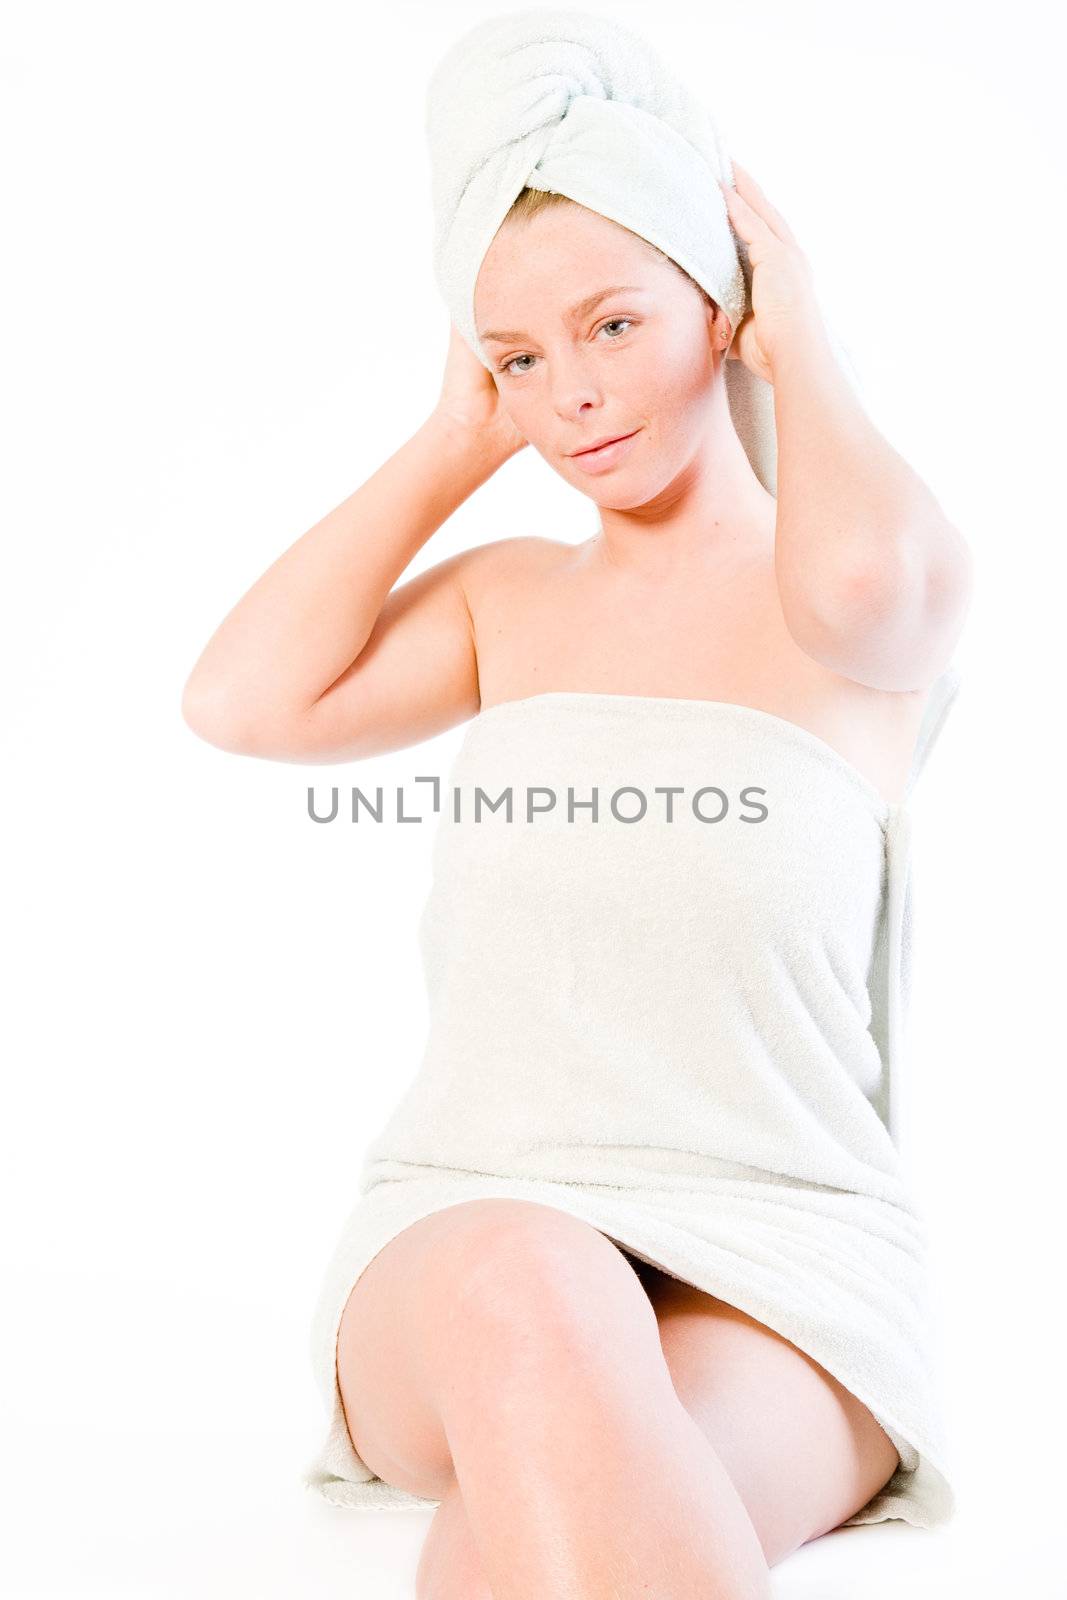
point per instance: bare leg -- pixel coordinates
(450, 1566)
(581, 1474)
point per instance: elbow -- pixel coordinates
(216, 716)
(894, 626)
(826, 615)
(929, 575)
(923, 594)
(209, 713)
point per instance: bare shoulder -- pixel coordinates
(520, 596)
(491, 571)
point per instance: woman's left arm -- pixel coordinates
(874, 580)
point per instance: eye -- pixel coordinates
(507, 366)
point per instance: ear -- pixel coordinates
(719, 330)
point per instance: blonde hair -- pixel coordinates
(529, 203)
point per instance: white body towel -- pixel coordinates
(686, 1032)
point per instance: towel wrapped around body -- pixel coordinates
(685, 1028)
(688, 1031)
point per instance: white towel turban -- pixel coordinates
(571, 102)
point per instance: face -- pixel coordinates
(640, 360)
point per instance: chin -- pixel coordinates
(623, 498)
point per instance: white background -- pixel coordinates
(219, 319)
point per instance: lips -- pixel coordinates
(599, 459)
(611, 438)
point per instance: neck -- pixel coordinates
(714, 511)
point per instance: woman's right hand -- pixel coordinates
(469, 400)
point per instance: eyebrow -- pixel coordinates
(579, 310)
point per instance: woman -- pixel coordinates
(672, 1357)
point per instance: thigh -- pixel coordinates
(803, 1453)
(456, 1278)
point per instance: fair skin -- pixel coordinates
(698, 584)
(653, 1434)
(834, 606)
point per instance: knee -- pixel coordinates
(511, 1257)
(525, 1290)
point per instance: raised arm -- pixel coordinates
(323, 660)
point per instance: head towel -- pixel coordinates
(575, 103)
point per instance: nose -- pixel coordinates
(575, 386)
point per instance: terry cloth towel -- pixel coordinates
(684, 1027)
(577, 104)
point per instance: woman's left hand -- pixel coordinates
(784, 306)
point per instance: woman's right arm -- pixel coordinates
(322, 660)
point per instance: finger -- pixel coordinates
(728, 196)
(746, 219)
(753, 195)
